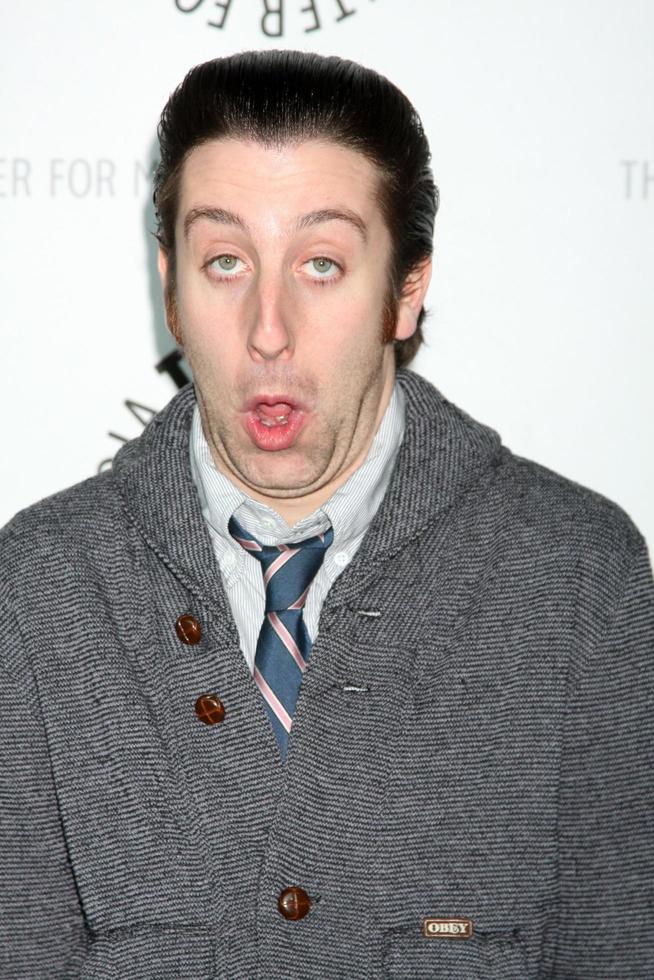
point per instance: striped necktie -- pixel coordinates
(284, 645)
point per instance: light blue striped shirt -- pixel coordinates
(349, 511)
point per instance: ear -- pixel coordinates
(162, 265)
(412, 298)
(170, 303)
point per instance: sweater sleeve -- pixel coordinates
(42, 930)
(606, 829)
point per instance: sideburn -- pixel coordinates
(170, 305)
(389, 318)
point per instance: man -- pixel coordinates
(321, 680)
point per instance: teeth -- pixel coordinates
(279, 420)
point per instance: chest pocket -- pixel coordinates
(496, 955)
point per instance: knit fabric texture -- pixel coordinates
(473, 734)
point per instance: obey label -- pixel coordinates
(447, 928)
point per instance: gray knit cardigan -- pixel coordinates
(473, 736)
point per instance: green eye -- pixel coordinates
(226, 262)
(323, 265)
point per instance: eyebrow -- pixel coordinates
(219, 215)
(309, 220)
(333, 214)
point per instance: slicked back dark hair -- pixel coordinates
(279, 97)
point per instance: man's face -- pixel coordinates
(282, 270)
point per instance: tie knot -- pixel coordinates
(288, 569)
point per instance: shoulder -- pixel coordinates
(84, 519)
(80, 516)
(560, 510)
(566, 536)
(453, 451)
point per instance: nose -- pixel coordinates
(270, 337)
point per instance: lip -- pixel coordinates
(275, 399)
(274, 438)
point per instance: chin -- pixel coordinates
(287, 477)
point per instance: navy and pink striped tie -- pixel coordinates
(284, 645)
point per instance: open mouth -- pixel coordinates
(271, 415)
(273, 422)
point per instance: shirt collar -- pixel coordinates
(349, 510)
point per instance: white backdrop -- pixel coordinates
(542, 309)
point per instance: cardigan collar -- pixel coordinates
(444, 454)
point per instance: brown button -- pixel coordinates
(188, 629)
(210, 709)
(294, 903)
